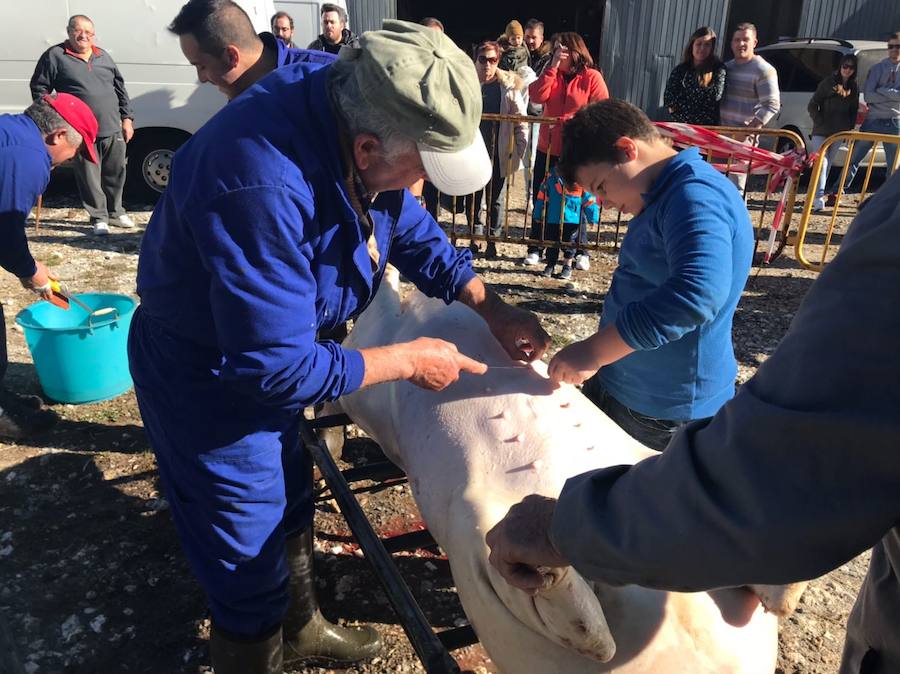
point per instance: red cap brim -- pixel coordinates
(89, 151)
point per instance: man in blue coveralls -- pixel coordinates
(218, 39)
(49, 132)
(281, 215)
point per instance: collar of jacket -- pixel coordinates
(668, 172)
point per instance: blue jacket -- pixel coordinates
(682, 268)
(24, 174)
(570, 206)
(255, 247)
(288, 55)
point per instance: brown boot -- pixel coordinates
(230, 656)
(308, 637)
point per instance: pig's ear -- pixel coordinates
(779, 599)
(568, 613)
(573, 617)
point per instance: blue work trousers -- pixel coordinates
(237, 479)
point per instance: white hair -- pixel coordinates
(362, 118)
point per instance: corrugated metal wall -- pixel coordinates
(642, 42)
(368, 14)
(860, 19)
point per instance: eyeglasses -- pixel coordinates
(894, 46)
(484, 59)
(86, 33)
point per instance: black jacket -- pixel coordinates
(831, 112)
(96, 81)
(347, 38)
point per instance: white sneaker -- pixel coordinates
(101, 228)
(819, 205)
(123, 221)
(582, 262)
(531, 259)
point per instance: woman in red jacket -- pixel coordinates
(569, 82)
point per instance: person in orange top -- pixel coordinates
(568, 83)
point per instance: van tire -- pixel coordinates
(149, 162)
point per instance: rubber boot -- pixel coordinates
(308, 637)
(230, 656)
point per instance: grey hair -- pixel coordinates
(74, 18)
(361, 118)
(48, 120)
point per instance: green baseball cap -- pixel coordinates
(418, 78)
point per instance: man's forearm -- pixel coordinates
(385, 363)
(477, 296)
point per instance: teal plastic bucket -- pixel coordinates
(80, 356)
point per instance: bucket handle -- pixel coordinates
(102, 313)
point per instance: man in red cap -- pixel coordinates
(47, 134)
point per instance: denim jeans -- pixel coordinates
(814, 146)
(860, 149)
(649, 431)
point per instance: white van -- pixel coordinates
(169, 104)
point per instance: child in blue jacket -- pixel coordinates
(555, 205)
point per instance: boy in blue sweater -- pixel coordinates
(663, 355)
(562, 210)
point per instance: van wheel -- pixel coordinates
(150, 155)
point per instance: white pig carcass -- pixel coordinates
(481, 445)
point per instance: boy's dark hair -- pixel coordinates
(215, 24)
(590, 136)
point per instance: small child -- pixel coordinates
(515, 55)
(554, 204)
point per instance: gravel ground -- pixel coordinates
(92, 578)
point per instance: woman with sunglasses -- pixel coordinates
(568, 83)
(501, 93)
(833, 109)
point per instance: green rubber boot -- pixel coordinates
(308, 637)
(230, 656)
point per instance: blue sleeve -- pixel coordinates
(697, 239)
(263, 298)
(589, 206)
(24, 178)
(422, 252)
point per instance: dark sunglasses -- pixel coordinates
(485, 59)
(894, 46)
(848, 66)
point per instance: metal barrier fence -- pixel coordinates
(513, 198)
(807, 230)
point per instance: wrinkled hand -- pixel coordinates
(521, 549)
(518, 331)
(127, 129)
(574, 364)
(436, 364)
(39, 282)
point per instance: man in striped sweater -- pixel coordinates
(751, 89)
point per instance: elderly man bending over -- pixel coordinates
(260, 243)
